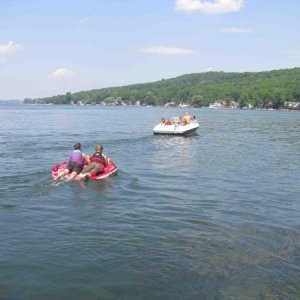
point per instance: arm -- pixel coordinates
(107, 160)
(86, 158)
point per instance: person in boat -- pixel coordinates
(168, 122)
(186, 119)
(162, 121)
(75, 165)
(97, 164)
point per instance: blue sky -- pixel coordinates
(52, 47)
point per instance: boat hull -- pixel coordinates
(176, 129)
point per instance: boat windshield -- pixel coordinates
(175, 120)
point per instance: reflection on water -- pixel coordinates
(209, 216)
(174, 140)
(95, 185)
(170, 152)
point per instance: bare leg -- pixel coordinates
(83, 176)
(72, 176)
(62, 173)
(87, 172)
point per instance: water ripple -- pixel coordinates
(210, 216)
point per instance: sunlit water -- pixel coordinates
(211, 216)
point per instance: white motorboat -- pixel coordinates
(175, 127)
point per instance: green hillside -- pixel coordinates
(260, 89)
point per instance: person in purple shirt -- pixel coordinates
(76, 162)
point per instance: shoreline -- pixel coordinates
(147, 106)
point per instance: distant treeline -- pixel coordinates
(259, 89)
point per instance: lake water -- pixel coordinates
(211, 216)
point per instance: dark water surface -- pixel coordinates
(211, 216)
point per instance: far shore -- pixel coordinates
(164, 106)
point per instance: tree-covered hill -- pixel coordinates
(259, 89)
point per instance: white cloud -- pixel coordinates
(168, 50)
(235, 30)
(86, 20)
(8, 49)
(83, 20)
(63, 72)
(210, 7)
